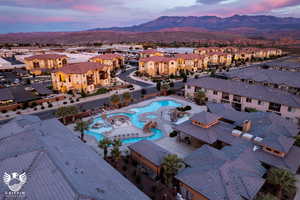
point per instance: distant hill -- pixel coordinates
(174, 29)
(213, 23)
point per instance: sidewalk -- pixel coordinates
(59, 104)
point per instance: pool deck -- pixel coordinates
(163, 123)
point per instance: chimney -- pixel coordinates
(246, 126)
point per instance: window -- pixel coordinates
(259, 102)
(215, 92)
(248, 100)
(225, 96)
(290, 109)
(274, 107)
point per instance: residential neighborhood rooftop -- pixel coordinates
(58, 164)
(243, 89)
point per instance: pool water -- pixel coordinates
(134, 118)
(151, 116)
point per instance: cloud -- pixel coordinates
(87, 8)
(210, 1)
(234, 7)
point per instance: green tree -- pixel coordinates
(127, 98)
(297, 142)
(267, 196)
(200, 97)
(81, 126)
(284, 180)
(65, 111)
(171, 164)
(116, 152)
(164, 88)
(115, 100)
(143, 92)
(158, 85)
(104, 144)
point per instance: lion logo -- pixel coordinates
(15, 181)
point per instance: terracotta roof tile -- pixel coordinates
(81, 68)
(46, 57)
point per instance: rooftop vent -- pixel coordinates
(257, 139)
(247, 136)
(236, 133)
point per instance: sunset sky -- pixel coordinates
(72, 15)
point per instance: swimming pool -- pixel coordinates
(134, 118)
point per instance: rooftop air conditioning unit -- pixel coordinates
(257, 139)
(247, 136)
(236, 133)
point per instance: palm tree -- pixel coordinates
(115, 100)
(127, 98)
(63, 112)
(104, 144)
(164, 88)
(297, 142)
(81, 126)
(284, 180)
(267, 196)
(115, 152)
(200, 97)
(171, 164)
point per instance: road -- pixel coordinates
(125, 77)
(99, 102)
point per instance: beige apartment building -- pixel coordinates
(150, 53)
(158, 66)
(243, 96)
(115, 61)
(192, 62)
(78, 77)
(44, 63)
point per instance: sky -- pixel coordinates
(75, 15)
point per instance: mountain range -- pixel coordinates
(213, 23)
(174, 28)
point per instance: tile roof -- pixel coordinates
(216, 175)
(205, 117)
(243, 89)
(189, 56)
(81, 68)
(46, 57)
(267, 75)
(6, 94)
(58, 164)
(221, 131)
(109, 56)
(151, 151)
(158, 59)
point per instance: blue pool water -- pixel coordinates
(134, 118)
(151, 116)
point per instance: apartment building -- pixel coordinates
(39, 64)
(158, 66)
(267, 76)
(150, 52)
(115, 61)
(85, 76)
(192, 62)
(245, 97)
(234, 146)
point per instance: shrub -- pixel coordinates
(187, 108)
(18, 112)
(72, 101)
(153, 189)
(50, 105)
(42, 107)
(35, 108)
(138, 179)
(4, 111)
(65, 102)
(124, 168)
(173, 134)
(77, 100)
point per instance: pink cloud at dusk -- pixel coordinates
(223, 9)
(87, 14)
(87, 8)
